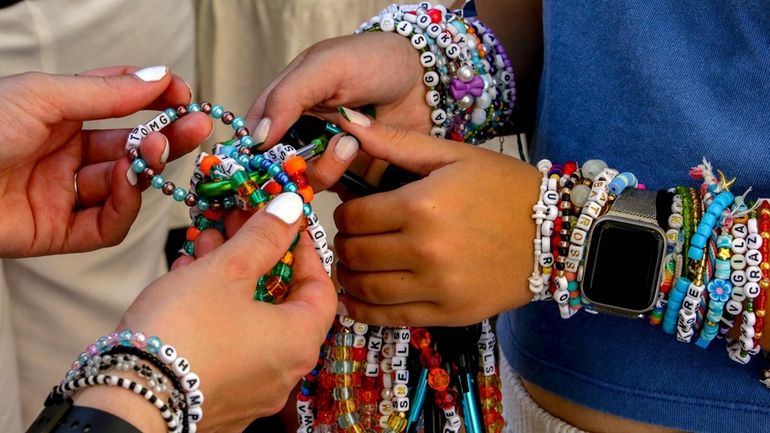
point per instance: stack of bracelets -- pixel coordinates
(469, 76)
(717, 262)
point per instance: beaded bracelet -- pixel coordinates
(469, 76)
(237, 176)
(174, 368)
(172, 419)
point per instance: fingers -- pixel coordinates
(184, 135)
(261, 241)
(374, 253)
(178, 91)
(371, 214)
(312, 292)
(410, 150)
(107, 225)
(380, 288)
(94, 181)
(99, 97)
(326, 170)
(411, 314)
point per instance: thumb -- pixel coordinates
(261, 241)
(413, 151)
(311, 295)
(87, 97)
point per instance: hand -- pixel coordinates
(379, 69)
(450, 249)
(44, 150)
(249, 355)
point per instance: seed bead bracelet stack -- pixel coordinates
(717, 262)
(162, 377)
(470, 81)
(237, 175)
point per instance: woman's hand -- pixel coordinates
(44, 152)
(377, 69)
(450, 249)
(249, 355)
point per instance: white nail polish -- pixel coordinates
(152, 73)
(346, 147)
(287, 206)
(263, 128)
(131, 176)
(342, 309)
(166, 151)
(355, 117)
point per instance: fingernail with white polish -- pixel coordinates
(263, 128)
(354, 117)
(131, 176)
(346, 147)
(287, 206)
(342, 309)
(166, 150)
(152, 73)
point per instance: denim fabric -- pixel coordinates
(650, 87)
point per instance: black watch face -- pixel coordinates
(623, 265)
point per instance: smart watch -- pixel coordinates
(624, 257)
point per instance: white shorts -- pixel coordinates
(522, 414)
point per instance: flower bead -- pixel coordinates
(719, 290)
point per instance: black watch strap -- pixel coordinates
(64, 417)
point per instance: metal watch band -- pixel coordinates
(63, 417)
(638, 203)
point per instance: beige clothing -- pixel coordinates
(60, 304)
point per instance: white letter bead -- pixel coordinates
(754, 241)
(443, 40)
(584, 222)
(547, 228)
(387, 24)
(402, 349)
(438, 116)
(592, 209)
(753, 227)
(401, 335)
(372, 369)
(404, 28)
(433, 98)
(550, 198)
(158, 122)
(190, 382)
(418, 41)
(402, 377)
(181, 367)
(575, 252)
(753, 258)
(194, 398)
(434, 30)
(431, 79)
(738, 246)
(739, 231)
(546, 260)
(195, 414)
(167, 354)
(412, 18)
(749, 319)
(399, 363)
(373, 357)
(359, 341)
(423, 21)
(738, 261)
(753, 274)
(401, 404)
(751, 289)
(578, 237)
(360, 328)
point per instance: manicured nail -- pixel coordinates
(354, 117)
(152, 73)
(287, 206)
(131, 176)
(342, 309)
(166, 150)
(263, 128)
(346, 147)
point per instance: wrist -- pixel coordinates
(124, 404)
